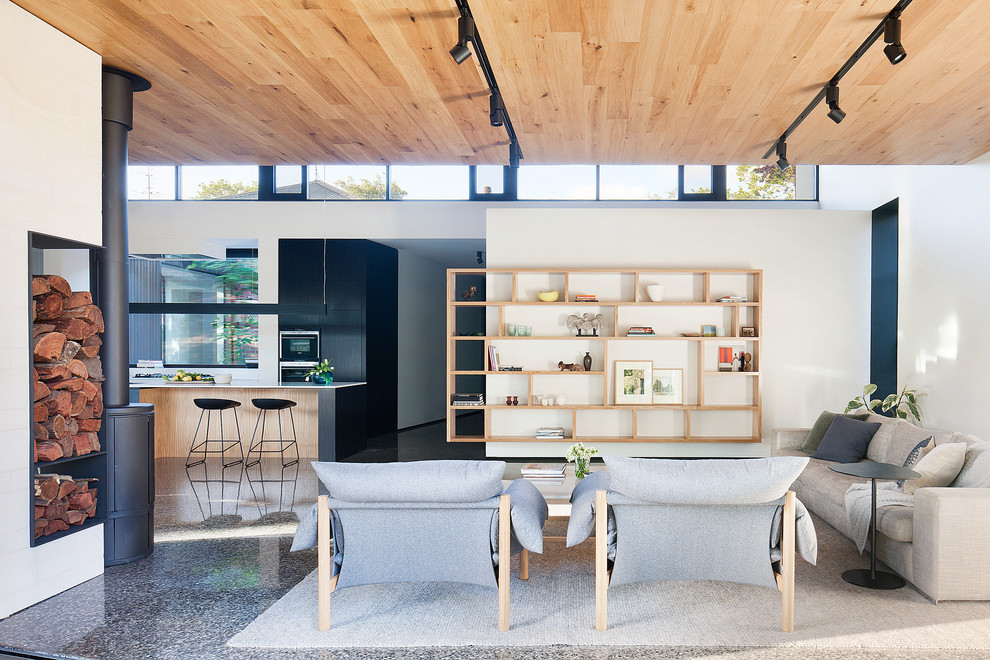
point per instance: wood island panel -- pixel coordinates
(176, 416)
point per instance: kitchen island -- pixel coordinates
(330, 420)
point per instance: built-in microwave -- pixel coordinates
(299, 346)
(294, 372)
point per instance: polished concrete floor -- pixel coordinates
(222, 557)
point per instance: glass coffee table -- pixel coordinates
(872, 578)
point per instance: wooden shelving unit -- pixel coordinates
(728, 402)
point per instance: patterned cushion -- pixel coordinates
(938, 468)
(919, 450)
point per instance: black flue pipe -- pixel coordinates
(118, 111)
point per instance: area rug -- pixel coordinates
(556, 606)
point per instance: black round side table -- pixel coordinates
(872, 578)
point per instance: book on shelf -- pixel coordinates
(545, 481)
(467, 399)
(494, 364)
(466, 404)
(550, 432)
(641, 330)
(543, 470)
(586, 298)
(733, 299)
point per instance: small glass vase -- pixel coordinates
(322, 379)
(581, 467)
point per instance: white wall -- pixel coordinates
(816, 305)
(422, 332)
(50, 182)
(944, 271)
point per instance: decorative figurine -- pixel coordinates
(585, 323)
(469, 294)
(569, 366)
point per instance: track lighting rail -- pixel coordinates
(878, 32)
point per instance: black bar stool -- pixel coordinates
(208, 407)
(258, 441)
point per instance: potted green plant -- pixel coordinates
(580, 456)
(321, 374)
(892, 404)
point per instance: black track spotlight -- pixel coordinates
(496, 111)
(782, 162)
(892, 37)
(835, 113)
(514, 154)
(465, 33)
(481, 257)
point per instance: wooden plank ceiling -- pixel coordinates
(589, 81)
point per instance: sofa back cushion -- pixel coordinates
(895, 439)
(416, 481)
(719, 481)
(975, 472)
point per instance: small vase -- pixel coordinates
(581, 467)
(322, 379)
(587, 361)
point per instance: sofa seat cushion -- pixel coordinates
(896, 522)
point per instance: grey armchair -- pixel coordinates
(729, 520)
(432, 521)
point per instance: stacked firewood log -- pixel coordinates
(68, 375)
(60, 501)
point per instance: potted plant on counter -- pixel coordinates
(321, 374)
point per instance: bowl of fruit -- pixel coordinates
(190, 378)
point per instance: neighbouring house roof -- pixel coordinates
(317, 190)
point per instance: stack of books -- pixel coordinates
(467, 399)
(590, 297)
(640, 331)
(550, 433)
(733, 299)
(494, 363)
(544, 473)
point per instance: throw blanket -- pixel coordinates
(859, 507)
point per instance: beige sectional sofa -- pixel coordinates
(941, 544)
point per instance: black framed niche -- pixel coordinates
(68, 472)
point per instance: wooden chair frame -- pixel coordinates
(327, 584)
(785, 579)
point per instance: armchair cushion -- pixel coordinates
(727, 481)
(416, 481)
(582, 520)
(528, 512)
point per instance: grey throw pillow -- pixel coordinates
(582, 520)
(416, 481)
(975, 472)
(846, 440)
(817, 432)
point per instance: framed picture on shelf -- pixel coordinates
(633, 382)
(668, 386)
(708, 331)
(747, 331)
(729, 357)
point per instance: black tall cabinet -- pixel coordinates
(355, 283)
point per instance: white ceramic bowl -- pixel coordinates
(221, 379)
(655, 292)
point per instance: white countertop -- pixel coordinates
(144, 383)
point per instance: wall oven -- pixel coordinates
(294, 372)
(299, 346)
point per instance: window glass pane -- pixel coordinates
(489, 180)
(204, 280)
(429, 182)
(195, 339)
(346, 182)
(698, 179)
(219, 181)
(759, 182)
(150, 182)
(637, 182)
(556, 182)
(288, 179)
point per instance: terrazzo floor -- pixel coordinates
(222, 557)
